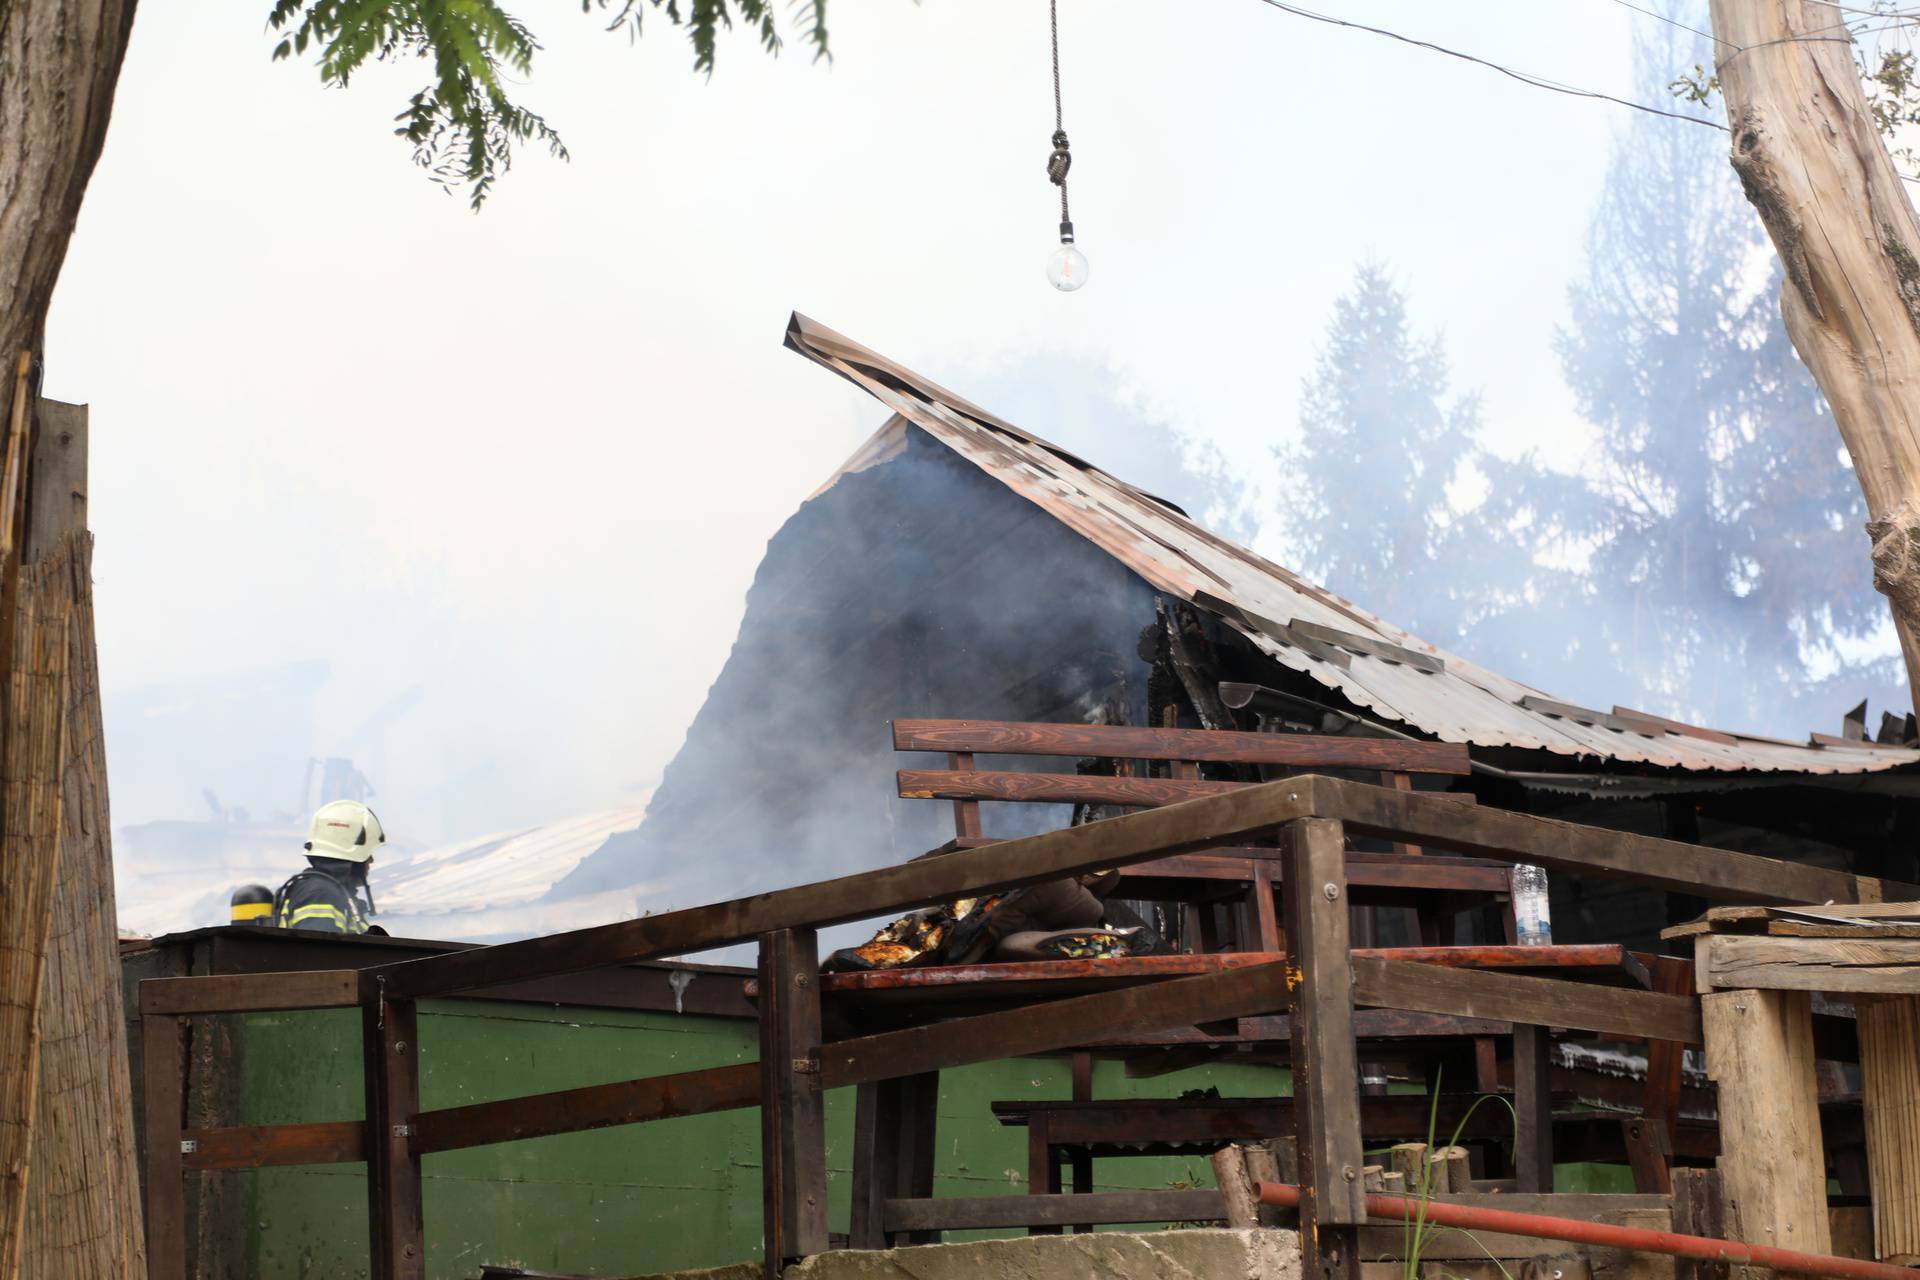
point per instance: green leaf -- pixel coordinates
(464, 125)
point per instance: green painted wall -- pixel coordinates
(678, 1193)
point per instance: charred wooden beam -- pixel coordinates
(1298, 751)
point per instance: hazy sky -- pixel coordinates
(527, 460)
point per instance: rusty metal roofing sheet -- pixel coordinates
(1455, 702)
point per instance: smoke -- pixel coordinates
(917, 587)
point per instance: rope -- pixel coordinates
(1061, 158)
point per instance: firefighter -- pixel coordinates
(251, 904)
(331, 895)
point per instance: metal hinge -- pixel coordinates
(188, 1146)
(805, 1067)
(403, 1131)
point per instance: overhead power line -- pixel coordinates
(1526, 78)
(1675, 22)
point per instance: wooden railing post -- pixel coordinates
(1532, 1108)
(1326, 1073)
(396, 1229)
(894, 1123)
(163, 1087)
(793, 1141)
(1772, 1167)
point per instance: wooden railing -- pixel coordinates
(1319, 985)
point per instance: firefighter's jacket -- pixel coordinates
(314, 899)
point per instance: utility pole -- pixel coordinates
(1813, 165)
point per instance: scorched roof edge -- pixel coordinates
(1431, 690)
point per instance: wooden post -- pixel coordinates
(875, 1169)
(793, 1142)
(893, 1128)
(1082, 1159)
(396, 1229)
(163, 1084)
(1772, 1167)
(1699, 1209)
(1661, 1105)
(966, 813)
(1043, 1171)
(83, 1202)
(1532, 1108)
(1266, 921)
(1649, 1155)
(1235, 1182)
(1326, 1072)
(919, 1128)
(32, 755)
(1890, 1082)
(1409, 1160)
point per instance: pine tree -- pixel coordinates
(1363, 493)
(1722, 517)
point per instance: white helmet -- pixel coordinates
(345, 829)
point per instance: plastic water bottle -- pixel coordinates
(1532, 917)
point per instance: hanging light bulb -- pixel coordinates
(1067, 267)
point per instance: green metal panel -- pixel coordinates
(674, 1194)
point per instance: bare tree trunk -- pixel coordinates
(83, 1200)
(1812, 163)
(59, 61)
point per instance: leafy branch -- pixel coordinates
(1883, 52)
(464, 124)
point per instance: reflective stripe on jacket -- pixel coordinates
(314, 900)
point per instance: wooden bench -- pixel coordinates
(1434, 887)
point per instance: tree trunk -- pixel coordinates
(1812, 163)
(59, 61)
(83, 1199)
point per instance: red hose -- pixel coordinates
(1542, 1227)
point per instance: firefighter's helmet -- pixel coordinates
(251, 904)
(345, 829)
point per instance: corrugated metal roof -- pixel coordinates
(505, 870)
(1288, 617)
